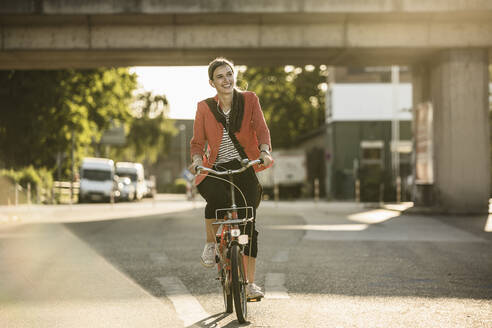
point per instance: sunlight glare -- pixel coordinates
(488, 225)
(323, 86)
(374, 216)
(288, 68)
(309, 68)
(399, 207)
(324, 227)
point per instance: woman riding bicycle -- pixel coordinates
(233, 127)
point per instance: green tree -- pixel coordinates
(292, 99)
(149, 130)
(41, 110)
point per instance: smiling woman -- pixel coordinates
(232, 128)
(183, 86)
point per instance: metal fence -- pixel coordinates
(62, 192)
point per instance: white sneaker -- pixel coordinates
(253, 291)
(208, 255)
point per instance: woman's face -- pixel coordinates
(223, 79)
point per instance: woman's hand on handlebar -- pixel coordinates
(266, 158)
(193, 166)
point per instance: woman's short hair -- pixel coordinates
(217, 62)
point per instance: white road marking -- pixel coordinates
(281, 256)
(159, 258)
(274, 286)
(188, 308)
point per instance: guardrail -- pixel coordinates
(65, 192)
(62, 192)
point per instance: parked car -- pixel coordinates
(150, 188)
(97, 180)
(135, 172)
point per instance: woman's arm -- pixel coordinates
(262, 132)
(260, 126)
(197, 143)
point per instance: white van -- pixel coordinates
(135, 172)
(96, 179)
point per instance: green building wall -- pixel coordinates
(347, 137)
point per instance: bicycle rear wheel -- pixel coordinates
(238, 284)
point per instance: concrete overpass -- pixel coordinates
(67, 33)
(448, 44)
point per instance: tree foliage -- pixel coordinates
(292, 99)
(149, 130)
(42, 110)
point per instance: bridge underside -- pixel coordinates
(56, 59)
(44, 41)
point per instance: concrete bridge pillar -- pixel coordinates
(456, 83)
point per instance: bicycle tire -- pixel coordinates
(226, 291)
(238, 284)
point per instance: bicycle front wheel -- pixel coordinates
(238, 284)
(226, 289)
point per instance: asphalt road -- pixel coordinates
(321, 265)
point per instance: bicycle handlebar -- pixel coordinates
(246, 163)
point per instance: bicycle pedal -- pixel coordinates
(256, 299)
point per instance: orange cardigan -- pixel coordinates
(206, 129)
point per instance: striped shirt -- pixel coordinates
(227, 151)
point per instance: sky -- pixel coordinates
(183, 86)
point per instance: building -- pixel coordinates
(359, 139)
(352, 153)
(170, 166)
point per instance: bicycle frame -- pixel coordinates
(228, 237)
(232, 212)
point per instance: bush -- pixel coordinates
(179, 186)
(40, 179)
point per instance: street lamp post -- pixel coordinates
(182, 128)
(395, 132)
(72, 177)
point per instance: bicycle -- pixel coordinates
(230, 246)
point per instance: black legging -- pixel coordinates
(217, 194)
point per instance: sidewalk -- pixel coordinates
(49, 278)
(164, 203)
